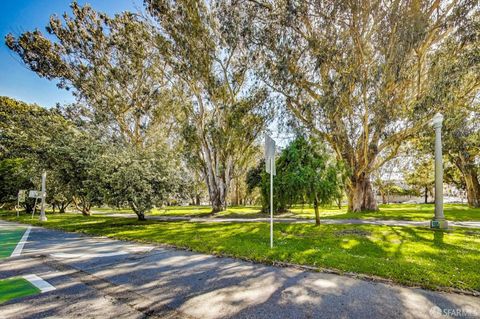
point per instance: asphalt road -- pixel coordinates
(104, 278)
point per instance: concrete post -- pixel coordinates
(44, 195)
(439, 219)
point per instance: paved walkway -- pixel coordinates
(469, 224)
(104, 278)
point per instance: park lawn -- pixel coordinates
(9, 237)
(416, 212)
(192, 211)
(411, 256)
(16, 287)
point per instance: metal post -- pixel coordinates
(44, 195)
(439, 220)
(271, 201)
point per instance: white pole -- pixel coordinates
(271, 201)
(439, 219)
(17, 208)
(34, 207)
(44, 194)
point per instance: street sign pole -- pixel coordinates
(270, 168)
(271, 201)
(17, 208)
(43, 194)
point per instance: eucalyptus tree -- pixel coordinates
(225, 105)
(456, 81)
(459, 67)
(117, 73)
(112, 67)
(355, 73)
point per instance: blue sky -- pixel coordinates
(17, 16)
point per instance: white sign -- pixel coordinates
(22, 195)
(270, 155)
(35, 194)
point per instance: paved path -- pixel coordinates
(469, 224)
(104, 278)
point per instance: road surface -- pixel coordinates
(103, 278)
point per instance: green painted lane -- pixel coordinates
(9, 238)
(16, 287)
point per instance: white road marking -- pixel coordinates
(39, 283)
(21, 243)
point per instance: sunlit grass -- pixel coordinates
(407, 255)
(416, 212)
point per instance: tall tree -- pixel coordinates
(112, 66)
(456, 78)
(355, 72)
(225, 105)
(118, 76)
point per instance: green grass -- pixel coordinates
(15, 288)
(416, 212)
(191, 211)
(407, 255)
(9, 237)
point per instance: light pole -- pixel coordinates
(44, 195)
(439, 219)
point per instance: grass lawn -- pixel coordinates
(192, 211)
(407, 255)
(16, 287)
(419, 212)
(9, 237)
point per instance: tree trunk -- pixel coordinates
(84, 206)
(237, 193)
(473, 188)
(141, 216)
(86, 211)
(28, 206)
(218, 202)
(218, 184)
(469, 172)
(426, 194)
(384, 198)
(317, 214)
(138, 210)
(360, 195)
(197, 200)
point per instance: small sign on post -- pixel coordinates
(269, 155)
(22, 196)
(270, 167)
